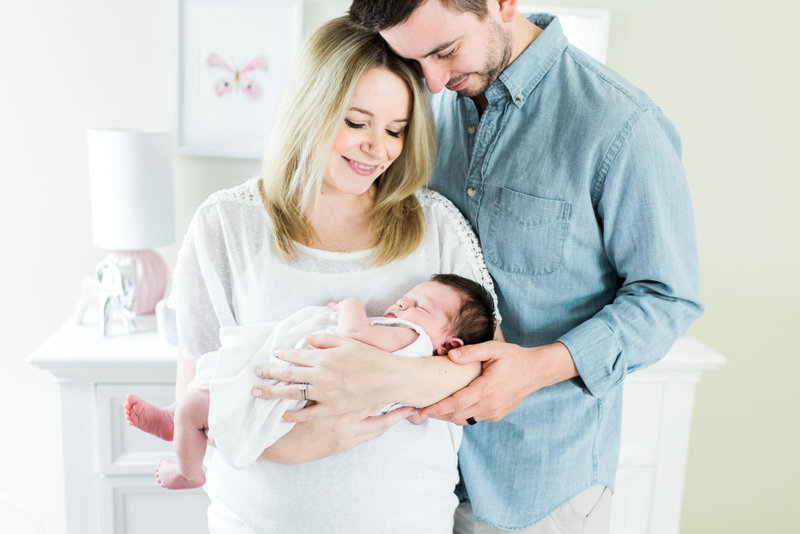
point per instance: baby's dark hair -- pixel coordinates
(474, 321)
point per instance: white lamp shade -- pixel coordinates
(130, 172)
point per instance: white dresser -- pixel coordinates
(108, 465)
(656, 419)
(110, 487)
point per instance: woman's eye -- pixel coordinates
(395, 134)
(354, 125)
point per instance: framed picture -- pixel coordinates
(233, 59)
(585, 28)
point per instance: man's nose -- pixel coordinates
(436, 76)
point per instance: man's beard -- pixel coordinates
(496, 62)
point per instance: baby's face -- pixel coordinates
(430, 305)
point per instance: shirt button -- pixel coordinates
(518, 98)
(471, 191)
(471, 129)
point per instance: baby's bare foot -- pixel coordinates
(169, 478)
(151, 419)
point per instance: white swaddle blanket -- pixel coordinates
(242, 425)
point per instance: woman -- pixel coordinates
(337, 213)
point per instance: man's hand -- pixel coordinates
(510, 374)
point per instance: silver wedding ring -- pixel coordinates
(303, 390)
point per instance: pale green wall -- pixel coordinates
(725, 72)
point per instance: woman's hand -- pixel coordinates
(349, 377)
(331, 435)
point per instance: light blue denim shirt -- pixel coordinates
(573, 180)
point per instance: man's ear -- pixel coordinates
(508, 9)
(449, 344)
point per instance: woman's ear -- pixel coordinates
(449, 344)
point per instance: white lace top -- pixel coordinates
(401, 482)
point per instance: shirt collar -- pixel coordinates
(524, 73)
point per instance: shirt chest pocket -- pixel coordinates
(526, 234)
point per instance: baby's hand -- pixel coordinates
(334, 305)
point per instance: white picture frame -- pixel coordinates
(233, 59)
(584, 27)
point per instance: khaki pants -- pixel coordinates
(589, 512)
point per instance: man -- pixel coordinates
(573, 181)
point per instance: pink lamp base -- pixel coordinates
(151, 278)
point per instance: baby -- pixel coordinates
(444, 313)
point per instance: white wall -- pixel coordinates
(70, 66)
(723, 71)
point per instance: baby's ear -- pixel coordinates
(449, 344)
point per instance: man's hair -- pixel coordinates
(474, 320)
(377, 15)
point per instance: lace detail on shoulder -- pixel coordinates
(246, 193)
(428, 198)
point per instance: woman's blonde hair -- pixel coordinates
(316, 98)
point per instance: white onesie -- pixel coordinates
(241, 425)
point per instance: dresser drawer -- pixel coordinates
(123, 449)
(138, 505)
(641, 421)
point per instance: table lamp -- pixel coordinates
(130, 174)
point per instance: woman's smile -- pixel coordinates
(360, 168)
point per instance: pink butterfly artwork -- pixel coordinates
(244, 79)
